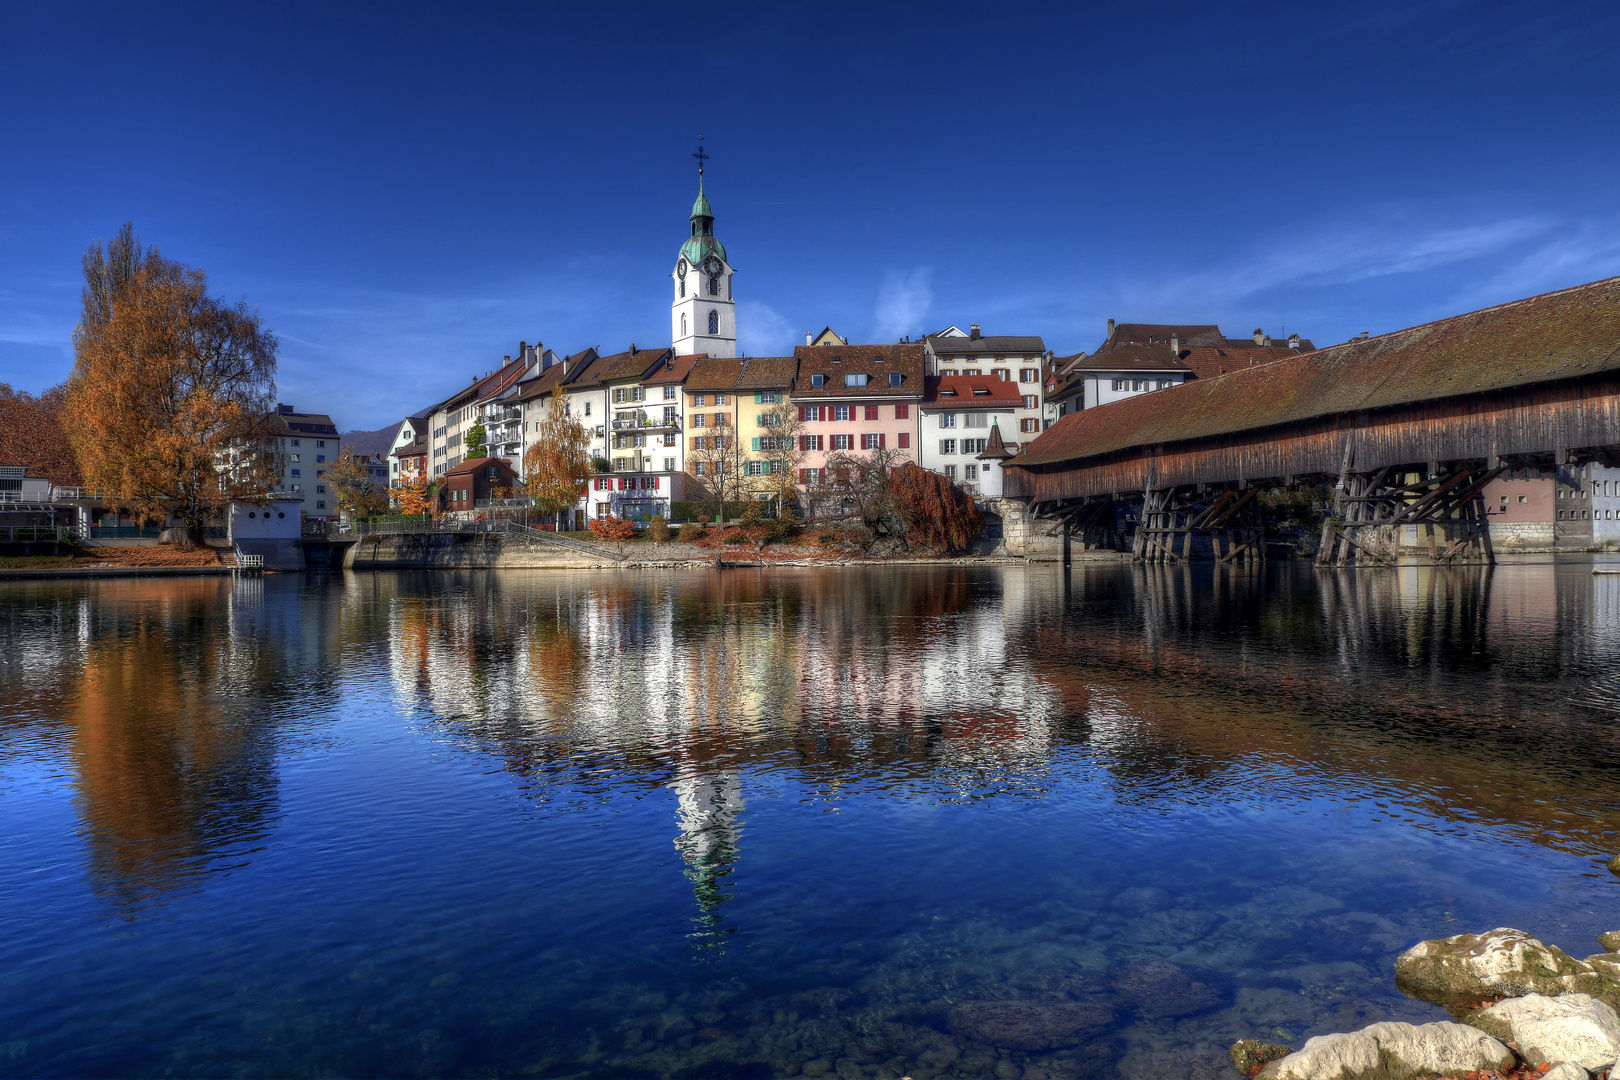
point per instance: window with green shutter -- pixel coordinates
(756, 442)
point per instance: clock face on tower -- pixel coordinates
(712, 264)
(680, 268)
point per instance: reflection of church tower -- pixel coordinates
(702, 316)
(709, 842)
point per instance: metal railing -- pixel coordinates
(75, 492)
(644, 423)
(36, 534)
(124, 532)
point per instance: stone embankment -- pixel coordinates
(490, 551)
(1523, 1009)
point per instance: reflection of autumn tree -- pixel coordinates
(167, 777)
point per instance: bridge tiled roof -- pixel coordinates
(1547, 338)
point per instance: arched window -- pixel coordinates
(714, 322)
(683, 324)
(714, 284)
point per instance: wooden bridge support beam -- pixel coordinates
(1175, 522)
(1446, 504)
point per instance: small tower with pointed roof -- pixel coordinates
(994, 454)
(703, 315)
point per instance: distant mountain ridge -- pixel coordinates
(365, 443)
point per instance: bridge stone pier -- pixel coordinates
(1405, 430)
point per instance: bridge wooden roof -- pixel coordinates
(1547, 338)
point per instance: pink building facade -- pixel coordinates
(857, 398)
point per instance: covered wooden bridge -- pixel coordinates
(1408, 427)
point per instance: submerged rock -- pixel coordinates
(1614, 866)
(1161, 988)
(1464, 972)
(1393, 1051)
(1248, 1055)
(1030, 1025)
(1573, 1027)
(1567, 1071)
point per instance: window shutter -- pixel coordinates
(756, 442)
(759, 398)
(905, 440)
(801, 414)
(655, 483)
(804, 477)
(882, 441)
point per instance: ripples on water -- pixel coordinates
(954, 822)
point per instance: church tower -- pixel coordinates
(703, 316)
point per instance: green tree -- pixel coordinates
(474, 441)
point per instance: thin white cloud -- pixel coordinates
(902, 303)
(762, 331)
(1351, 253)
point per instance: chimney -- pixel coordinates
(1259, 336)
(1110, 327)
(973, 332)
(633, 349)
(1364, 335)
(284, 410)
(807, 338)
(1293, 342)
(1175, 344)
(523, 348)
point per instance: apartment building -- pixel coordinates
(1015, 359)
(857, 398)
(959, 413)
(408, 456)
(307, 445)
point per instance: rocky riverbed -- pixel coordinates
(1523, 1008)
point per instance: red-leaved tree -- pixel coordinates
(938, 515)
(32, 435)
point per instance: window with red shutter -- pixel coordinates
(902, 412)
(883, 441)
(904, 442)
(801, 414)
(804, 477)
(871, 412)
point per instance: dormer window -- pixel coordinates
(894, 378)
(818, 380)
(855, 378)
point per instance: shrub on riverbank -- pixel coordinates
(612, 530)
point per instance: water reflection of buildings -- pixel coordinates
(174, 693)
(1480, 696)
(692, 680)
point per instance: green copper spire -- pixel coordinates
(703, 244)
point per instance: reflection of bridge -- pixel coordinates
(1409, 427)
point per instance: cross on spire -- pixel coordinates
(701, 155)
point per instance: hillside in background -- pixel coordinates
(361, 443)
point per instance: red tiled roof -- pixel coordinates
(674, 369)
(970, 392)
(1559, 335)
(474, 464)
(876, 361)
(1208, 362)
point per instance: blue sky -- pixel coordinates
(405, 192)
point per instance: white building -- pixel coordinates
(1018, 360)
(307, 444)
(958, 413)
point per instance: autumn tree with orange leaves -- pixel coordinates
(32, 435)
(411, 497)
(557, 467)
(171, 389)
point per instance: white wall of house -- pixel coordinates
(1106, 387)
(950, 440)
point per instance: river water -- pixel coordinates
(928, 822)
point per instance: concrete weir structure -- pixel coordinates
(1409, 428)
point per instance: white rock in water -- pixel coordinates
(1572, 1027)
(1392, 1051)
(1567, 1071)
(1459, 972)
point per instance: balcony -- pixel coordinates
(647, 423)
